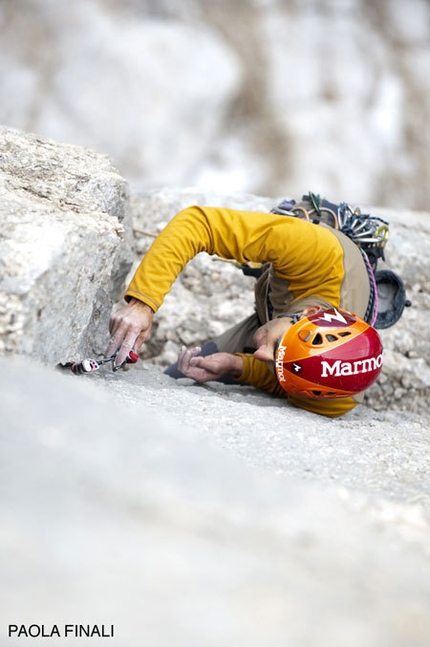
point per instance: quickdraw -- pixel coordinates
(91, 365)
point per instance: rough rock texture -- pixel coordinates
(64, 247)
(178, 514)
(405, 381)
(264, 97)
(182, 514)
(211, 295)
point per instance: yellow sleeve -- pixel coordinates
(257, 373)
(308, 256)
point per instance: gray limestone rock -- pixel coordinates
(119, 507)
(183, 514)
(405, 382)
(64, 247)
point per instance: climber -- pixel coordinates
(313, 278)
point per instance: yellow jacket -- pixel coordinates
(307, 264)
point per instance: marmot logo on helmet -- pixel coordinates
(279, 363)
(337, 316)
(339, 368)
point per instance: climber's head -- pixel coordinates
(321, 353)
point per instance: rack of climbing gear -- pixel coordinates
(370, 233)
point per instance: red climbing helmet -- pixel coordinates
(330, 354)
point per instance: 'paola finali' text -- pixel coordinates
(61, 631)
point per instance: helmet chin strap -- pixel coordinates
(309, 310)
(294, 317)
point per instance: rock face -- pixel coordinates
(64, 247)
(405, 381)
(115, 513)
(183, 514)
(264, 97)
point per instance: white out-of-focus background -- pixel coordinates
(272, 97)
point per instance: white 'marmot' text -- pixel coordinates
(339, 368)
(278, 364)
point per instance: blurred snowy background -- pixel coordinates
(271, 97)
